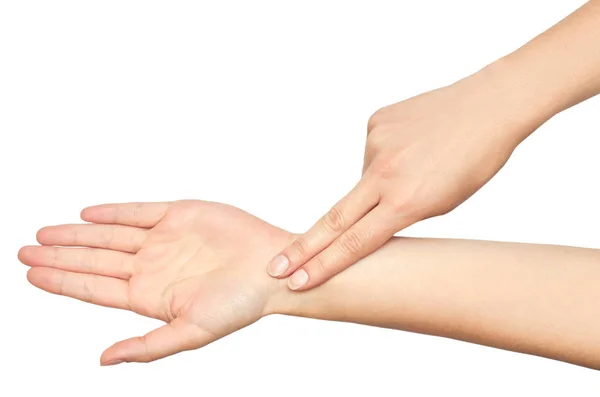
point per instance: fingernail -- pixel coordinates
(298, 279)
(113, 362)
(278, 265)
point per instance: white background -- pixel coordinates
(262, 105)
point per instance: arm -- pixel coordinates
(535, 299)
(198, 266)
(426, 155)
(558, 69)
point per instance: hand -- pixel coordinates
(424, 157)
(196, 265)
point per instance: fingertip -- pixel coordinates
(290, 259)
(45, 278)
(111, 362)
(33, 276)
(84, 214)
(29, 255)
(298, 280)
(23, 253)
(39, 235)
(89, 214)
(278, 266)
(109, 357)
(128, 350)
(42, 234)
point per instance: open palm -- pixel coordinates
(196, 265)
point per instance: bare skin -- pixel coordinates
(199, 266)
(426, 155)
(191, 264)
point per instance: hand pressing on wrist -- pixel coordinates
(196, 265)
(424, 156)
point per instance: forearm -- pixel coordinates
(529, 298)
(563, 64)
(554, 71)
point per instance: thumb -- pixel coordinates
(171, 338)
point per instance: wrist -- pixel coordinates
(332, 299)
(511, 98)
(529, 93)
(280, 299)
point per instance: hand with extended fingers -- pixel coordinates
(171, 261)
(199, 267)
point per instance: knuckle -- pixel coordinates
(408, 206)
(373, 143)
(405, 207)
(379, 137)
(137, 214)
(318, 266)
(299, 247)
(351, 243)
(61, 284)
(114, 214)
(88, 295)
(334, 221)
(53, 257)
(74, 236)
(376, 119)
(88, 262)
(109, 237)
(146, 357)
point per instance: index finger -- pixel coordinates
(349, 210)
(366, 236)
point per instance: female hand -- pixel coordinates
(195, 265)
(424, 156)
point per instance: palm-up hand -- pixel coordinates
(196, 265)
